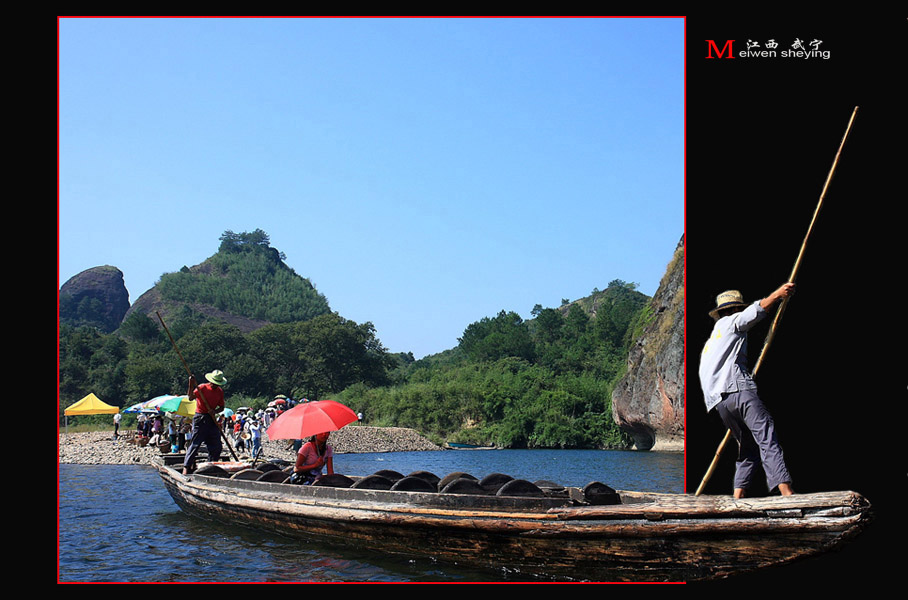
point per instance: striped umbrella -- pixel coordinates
(165, 403)
(141, 408)
(180, 405)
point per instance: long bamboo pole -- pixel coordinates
(791, 279)
(207, 406)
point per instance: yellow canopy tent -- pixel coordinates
(90, 405)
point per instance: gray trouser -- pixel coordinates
(752, 426)
(204, 430)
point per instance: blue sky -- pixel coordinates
(422, 173)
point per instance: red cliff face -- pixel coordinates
(648, 402)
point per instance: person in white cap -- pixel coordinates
(728, 386)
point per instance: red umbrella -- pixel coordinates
(309, 419)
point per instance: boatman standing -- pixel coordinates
(728, 386)
(209, 400)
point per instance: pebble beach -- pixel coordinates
(100, 447)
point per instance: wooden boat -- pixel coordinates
(459, 446)
(538, 530)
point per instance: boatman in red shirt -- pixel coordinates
(209, 400)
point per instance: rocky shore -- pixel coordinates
(100, 448)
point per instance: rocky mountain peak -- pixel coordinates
(96, 297)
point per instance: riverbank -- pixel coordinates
(668, 444)
(100, 447)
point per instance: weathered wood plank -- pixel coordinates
(650, 537)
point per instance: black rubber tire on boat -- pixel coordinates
(599, 494)
(450, 477)
(334, 480)
(493, 482)
(373, 482)
(432, 478)
(413, 484)
(251, 474)
(274, 476)
(212, 471)
(464, 485)
(389, 474)
(520, 487)
(265, 467)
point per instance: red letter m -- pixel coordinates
(711, 45)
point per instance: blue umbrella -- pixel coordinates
(140, 408)
(152, 406)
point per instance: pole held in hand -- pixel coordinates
(188, 370)
(791, 279)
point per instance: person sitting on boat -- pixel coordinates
(315, 454)
(728, 386)
(209, 400)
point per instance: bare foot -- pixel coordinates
(785, 489)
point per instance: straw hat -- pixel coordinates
(216, 377)
(727, 299)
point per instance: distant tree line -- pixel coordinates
(544, 383)
(306, 350)
(309, 359)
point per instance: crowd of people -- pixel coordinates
(245, 427)
(213, 421)
(159, 429)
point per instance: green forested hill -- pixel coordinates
(543, 382)
(296, 345)
(546, 382)
(247, 278)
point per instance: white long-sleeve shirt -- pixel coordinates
(723, 362)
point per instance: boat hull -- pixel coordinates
(648, 537)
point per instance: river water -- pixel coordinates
(118, 523)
